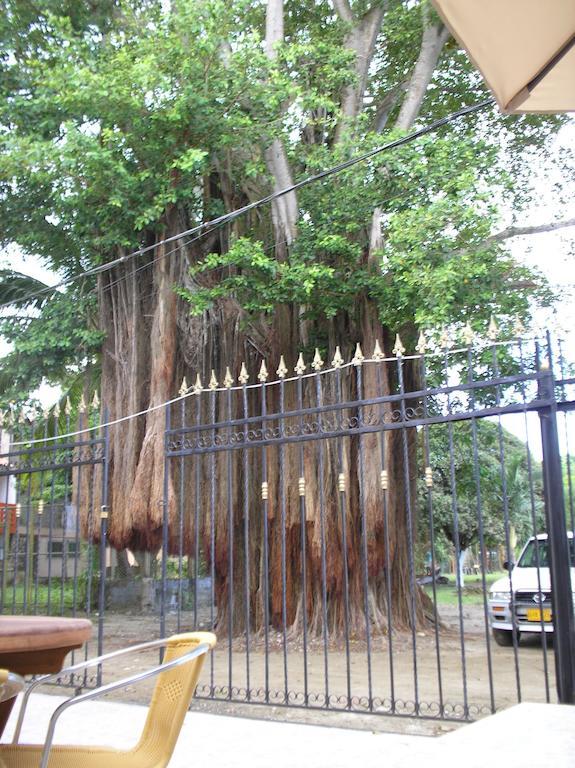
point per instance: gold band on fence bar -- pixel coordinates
(384, 480)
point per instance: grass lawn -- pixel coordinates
(472, 593)
(42, 599)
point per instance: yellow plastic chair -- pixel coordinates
(10, 684)
(177, 679)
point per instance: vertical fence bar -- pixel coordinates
(510, 555)
(230, 552)
(570, 493)
(6, 520)
(197, 499)
(181, 506)
(534, 524)
(561, 588)
(281, 484)
(431, 528)
(456, 540)
(165, 526)
(409, 515)
(265, 559)
(104, 512)
(321, 470)
(343, 511)
(384, 483)
(54, 461)
(198, 459)
(303, 539)
(479, 507)
(246, 515)
(365, 554)
(38, 536)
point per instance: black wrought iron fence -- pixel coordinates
(51, 561)
(353, 531)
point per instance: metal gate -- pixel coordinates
(346, 527)
(53, 514)
(321, 509)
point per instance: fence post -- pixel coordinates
(561, 589)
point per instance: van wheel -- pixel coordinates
(504, 637)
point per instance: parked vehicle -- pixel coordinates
(530, 583)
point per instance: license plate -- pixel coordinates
(534, 614)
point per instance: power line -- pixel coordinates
(239, 387)
(227, 217)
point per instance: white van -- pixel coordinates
(531, 592)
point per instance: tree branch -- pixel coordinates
(510, 232)
(284, 209)
(388, 104)
(434, 38)
(505, 234)
(343, 10)
(361, 40)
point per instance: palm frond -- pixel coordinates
(21, 289)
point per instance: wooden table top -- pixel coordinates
(41, 633)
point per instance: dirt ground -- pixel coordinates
(464, 675)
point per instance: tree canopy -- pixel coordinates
(483, 490)
(126, 122)
(115, 113)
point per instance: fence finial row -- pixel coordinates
(445, 342)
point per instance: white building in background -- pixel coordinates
(7, 483)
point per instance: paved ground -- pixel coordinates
(525, 736)
(464, 675)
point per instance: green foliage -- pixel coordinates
(116, 117)
(52, 344)
(501, 485)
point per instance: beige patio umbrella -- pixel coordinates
(525, 49)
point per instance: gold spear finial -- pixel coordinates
(198, 386)
(68, 407)
(300, 365)
(337, 361)
(378, 353)
(468, 334)
(95, 400)
(228, 379)
(421, 344)
(444, 339)
(317, 363)
(184, 387)
(263, 374)
(398, 350)
(282, 370)
(57, 409)
(358, 357)
(213, 385)
(243, 378)
(82, 406)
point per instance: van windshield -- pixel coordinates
(531, 557)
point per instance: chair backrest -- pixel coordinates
(10, 684)
(171, 698)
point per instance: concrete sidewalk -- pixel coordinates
(525, 736)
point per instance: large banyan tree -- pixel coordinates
(127, 122)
